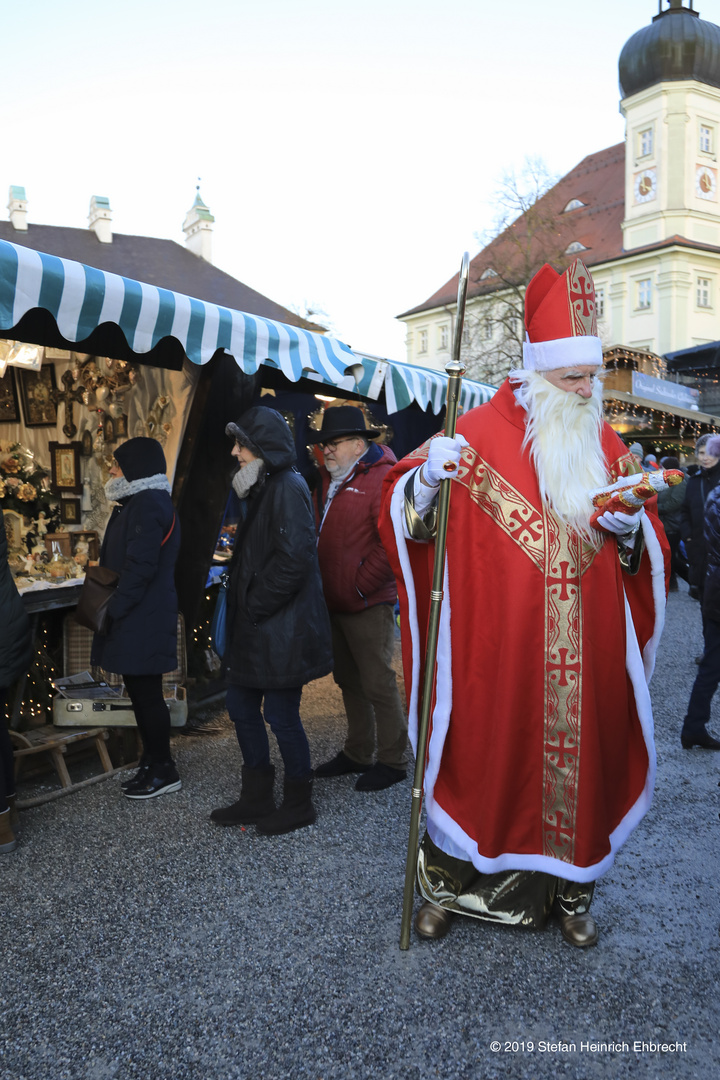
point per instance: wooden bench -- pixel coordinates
(54, 742)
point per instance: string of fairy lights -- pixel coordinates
(673, 431)
(38, 696)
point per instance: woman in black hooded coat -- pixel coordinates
(141, 544)
(278, 628)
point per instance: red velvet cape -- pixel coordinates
(540, 754)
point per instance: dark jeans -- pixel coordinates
(706, 682)
(7, 762)
(678, 565)
(282, 713)
(152, 716)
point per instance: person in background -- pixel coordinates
(694, 730)
(141, 544)
(638, 453)
(669, 504)
(360, 593)
(278, 630)
(15, 657)
(692, 515)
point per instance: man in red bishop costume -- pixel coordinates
(540, 758)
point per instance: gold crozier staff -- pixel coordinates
(455, 371)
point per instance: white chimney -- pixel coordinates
(198, 227)
(17, 207)
(100, 218)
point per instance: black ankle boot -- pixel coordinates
(256, 799)
(701, 738)
(296, 811)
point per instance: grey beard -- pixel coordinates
(246, 477)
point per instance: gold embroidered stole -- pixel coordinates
(562, 559)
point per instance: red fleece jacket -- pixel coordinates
(355, 570)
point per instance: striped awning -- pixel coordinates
(405, 383)
(81, 298)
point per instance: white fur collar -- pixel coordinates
(118, 487)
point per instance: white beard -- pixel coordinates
(247, 476)
(564, 434)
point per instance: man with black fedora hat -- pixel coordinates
(360, 594)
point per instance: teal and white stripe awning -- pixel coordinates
(81, 298)
(405, 383)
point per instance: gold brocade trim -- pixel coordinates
(563, 688)
(581, 298)
(510, 511)
(626, 465)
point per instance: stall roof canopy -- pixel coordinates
(49, 300)
(695, 358)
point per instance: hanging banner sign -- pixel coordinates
(670, 393)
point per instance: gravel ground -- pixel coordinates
(140, 941)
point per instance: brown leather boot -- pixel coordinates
(8, 841)
(14, 815)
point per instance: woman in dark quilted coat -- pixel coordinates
(141, 544)
(694, 731)
(15, 656)
(278, 628)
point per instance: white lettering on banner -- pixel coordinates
(685, 397)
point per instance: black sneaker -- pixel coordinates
(159, 780)
(340, 765)
(136, 778)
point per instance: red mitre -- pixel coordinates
(560, 319)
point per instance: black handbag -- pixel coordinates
(97, 591)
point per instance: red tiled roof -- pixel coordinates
(598, 182)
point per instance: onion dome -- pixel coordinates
(677, 45)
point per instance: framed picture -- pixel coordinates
(109, 429)
(9, 408)
(121, 426)
(70, 511)
(65, 461)
(87, 443)
(36, 393)
(63, 539)
(85, 546)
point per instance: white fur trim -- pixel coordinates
(562, 352)
(657, 576)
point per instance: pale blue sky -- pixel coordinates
(349, 151)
